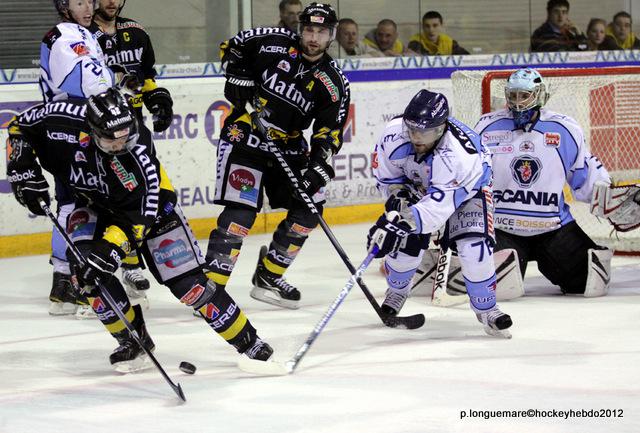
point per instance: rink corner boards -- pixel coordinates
(40, 243)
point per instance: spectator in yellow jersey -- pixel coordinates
(620, 31)
(384, 38)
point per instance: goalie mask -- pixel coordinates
(525, 93)
(114, 127)
(425, 120)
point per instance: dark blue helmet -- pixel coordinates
(425, 118)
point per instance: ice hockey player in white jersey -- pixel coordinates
(434, 171)
(72, 63)
(536, 151)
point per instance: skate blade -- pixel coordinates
(273, 298)
(136, 299)
(62, 309)
(142, 362)
(263, 368)
(504, 333)
(85, 313)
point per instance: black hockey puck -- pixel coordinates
(187, 367)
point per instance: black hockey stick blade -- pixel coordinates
(407, 322)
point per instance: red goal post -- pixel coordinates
(604, 101)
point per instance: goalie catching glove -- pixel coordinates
(619, 204)
(389, 232)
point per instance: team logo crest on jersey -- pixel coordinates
(526, 146)
(293, 53)
(210, 311)
(284, 65)
(526, 170)
(80, 49)
(98, 305)
(552, 139)
(234, 133)
(84, 139)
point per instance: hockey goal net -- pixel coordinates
(606, 103)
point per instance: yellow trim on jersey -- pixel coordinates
(119, 326)
(218, 278)
(235, 328)
(115, 235)
(131, 259)
(223, 48)
(272, 267)
(165, 182)
(149, 84)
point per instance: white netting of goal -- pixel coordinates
(604, 101)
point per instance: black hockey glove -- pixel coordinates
(388, 233)
(318, 174)
(400, 199)
(28, 183)
(239, 87)
(105, 258)
(159, 103)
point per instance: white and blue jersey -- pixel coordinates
(72, 64)
(453, 173)
(532, 166)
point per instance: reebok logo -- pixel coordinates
(19, 177)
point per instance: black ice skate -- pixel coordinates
(62, 296)
(260, 350)
(136, 285)
(129, 356)
(495, 322)
(393, 302)
(271, 289)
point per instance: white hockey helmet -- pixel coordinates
(525, 90)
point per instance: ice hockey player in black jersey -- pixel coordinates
(293, 83)
(125, 43)
(124, 202)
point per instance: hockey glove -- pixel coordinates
(401, 198)
(388, 233)
(28, 183)
(318, 174)
(159, 103)
(239, 87)
(105, 258)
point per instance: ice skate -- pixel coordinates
(84, 310)
(495, 322)
(393, 302)
(136, 286)
(273, 290)
(62, 296)
(129, 357)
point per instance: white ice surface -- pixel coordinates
(359, 376)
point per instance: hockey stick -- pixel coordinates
(409, 322)
(273, 368)
(441, 277)
(112, 303)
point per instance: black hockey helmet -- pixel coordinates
(319, 14)
(113, 124)
(425, 117)
(62, 6)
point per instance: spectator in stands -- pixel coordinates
(290, 10)
(620, 31)
(597, 40)
(384, 38)
(558, 33)
(348, 43)
(431, 41)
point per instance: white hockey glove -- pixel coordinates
(618, 204)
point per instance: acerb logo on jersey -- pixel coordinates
(525, 170)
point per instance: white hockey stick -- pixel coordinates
(439, 295)
(275, 368)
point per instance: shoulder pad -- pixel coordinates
(51, 36)
(128, 23)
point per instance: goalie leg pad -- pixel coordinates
(599, 273)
